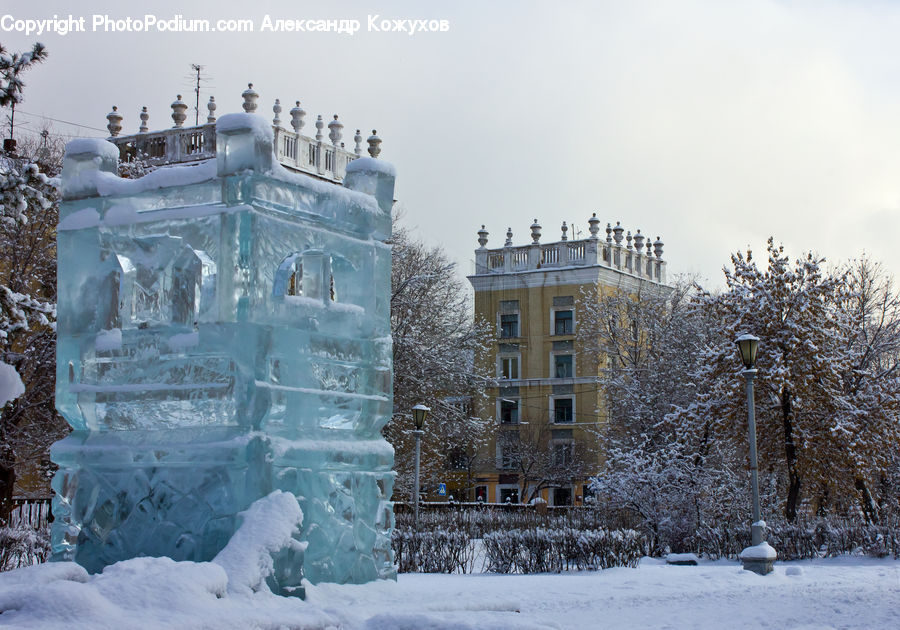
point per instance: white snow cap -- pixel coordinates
(261, 128)
(762, 551)
(95, 146)
(371, 164)
(11, 386)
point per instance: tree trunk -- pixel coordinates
(870, 510)
(7, 481)
(790, 453)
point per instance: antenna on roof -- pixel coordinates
(196, 79)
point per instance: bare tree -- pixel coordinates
(435, 343)
(542, 459)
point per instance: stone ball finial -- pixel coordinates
(115, 122)
(658, 247)
(594, 228)
(276, 121)
(297, 114)
(564, 228)
(320, 124)
(250, 97)
(179, 111)
(509, 236)
(639, 241)
(609, 233)
(211, 109)
(144, 116)
(374, 144)
(357, 139)
(617, 233)
(335, 129)
(535, 232)
(482, 237)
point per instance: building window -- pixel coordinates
(564, 322)
(457, 459)
(563, 409)
(508, 450)
(481, 494)
(509, 411)
(509, 325)
(563, 453)
(587, 494)
(509, 367)
(563, 366)
(509, 494)
(562, 496)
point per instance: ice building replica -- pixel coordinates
(223, 333)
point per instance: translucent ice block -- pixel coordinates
(224, 332)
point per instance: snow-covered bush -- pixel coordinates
(23, 546)
(479, 520)
(803, 540)
(548, 550)
(439, 551)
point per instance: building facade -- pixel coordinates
(545, 400)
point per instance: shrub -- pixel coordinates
(23, 546)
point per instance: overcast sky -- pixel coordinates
(710, 124)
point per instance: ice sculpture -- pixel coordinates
(224, 333)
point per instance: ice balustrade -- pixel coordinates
(318, 156)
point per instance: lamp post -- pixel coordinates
(420, 412)
(759, 557)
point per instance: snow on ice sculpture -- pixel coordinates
(224, 333)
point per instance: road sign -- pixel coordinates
(442, 489)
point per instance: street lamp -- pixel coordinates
(420, 412)
(759, 557)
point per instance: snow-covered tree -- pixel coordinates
(29, 212)
(872, 385)
(29, 423)
(435, 342)
(649, 340)
(12, 65)
(826, 409)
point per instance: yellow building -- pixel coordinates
(545, 403)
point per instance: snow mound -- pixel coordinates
(269, 526)
(682, 559)
(228, 593)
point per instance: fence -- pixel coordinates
(33, 513)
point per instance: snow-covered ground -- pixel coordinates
(158, 593)
(230, 593)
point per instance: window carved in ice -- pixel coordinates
(193, 285)
(119, 287)
(289, 276)
(315, 273)
(306, 274)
